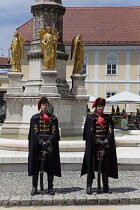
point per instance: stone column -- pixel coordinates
(47, 13)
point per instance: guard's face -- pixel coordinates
(100, 109)
(44, 108)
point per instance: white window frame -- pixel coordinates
(111, 92)
(111, 56)
(85, 64)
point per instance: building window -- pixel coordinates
(110, 93)
(85, 67)
(111, 66)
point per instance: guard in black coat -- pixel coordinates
(44, 136)
(99, 136)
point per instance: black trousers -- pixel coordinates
(49, 169)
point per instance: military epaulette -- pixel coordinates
(53, 117)
(92, 116)
(37, 115)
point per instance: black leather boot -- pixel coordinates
(89, 185)
(105, 182)
(89, 190)
(50, 185)
(34, 184)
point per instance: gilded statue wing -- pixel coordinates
(55, 34)
(42, 32)
(73, 47)
(21, 44)
(56, 37)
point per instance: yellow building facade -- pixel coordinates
(110, 70)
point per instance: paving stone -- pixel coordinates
(70, 199)
(91, 199)
(58, 200)
(70, 190)
(4, 200)
(25, 200)
(135, 198)
(124, 199)
(47, 200)
(113, 199)
(15, 201)
(102, 199)
(36, 200)
(81, 199)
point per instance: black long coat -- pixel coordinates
(88, 135)
(34, 149)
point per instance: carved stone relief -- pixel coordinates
(38, 25)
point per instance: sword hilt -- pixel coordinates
(100, 154)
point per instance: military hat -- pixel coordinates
(43, 100)
(99, 101)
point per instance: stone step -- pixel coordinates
(68, 146)
(128, 159)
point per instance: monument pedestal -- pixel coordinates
(49, 88)
(13, 99)
(15, 85)
(78, 85)
(32, 87)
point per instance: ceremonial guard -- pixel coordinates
(43, 147)
(100, 151)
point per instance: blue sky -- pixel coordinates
(14, 13)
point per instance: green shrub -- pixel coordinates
(117, 121)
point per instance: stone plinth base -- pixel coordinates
(12, 127)
(71, 114)
(15, 85)
(71, 128)
(49, 87)
(32, 87)
(78, 84)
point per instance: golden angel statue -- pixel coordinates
(77, 50)
(49, 41)
(17, 51)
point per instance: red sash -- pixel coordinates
(100, 120)
(46, 118)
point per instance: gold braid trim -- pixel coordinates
(53, 129)
(36, 128)
(40, 141)
(97, 141)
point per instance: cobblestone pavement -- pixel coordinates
(70, 189)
